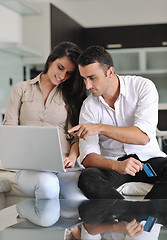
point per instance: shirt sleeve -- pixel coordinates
(91, 145)
(146, 116)
(13, 107)
(88, 236)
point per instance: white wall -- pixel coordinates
(11, 66)
(37, 33)
(10, 25)
(33, 31)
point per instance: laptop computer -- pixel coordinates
(32, 148)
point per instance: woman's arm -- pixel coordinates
(12, 113)
(73, 155)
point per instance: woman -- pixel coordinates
(53, 98)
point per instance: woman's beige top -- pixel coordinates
(26, 107)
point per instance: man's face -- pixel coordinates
(95, 79)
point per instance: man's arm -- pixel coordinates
(129, 166)
(131, 229)
(130, 135)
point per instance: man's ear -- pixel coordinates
(110, 72)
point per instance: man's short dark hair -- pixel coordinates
(96, 54)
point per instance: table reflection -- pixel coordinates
(89, 219)
(117, 219)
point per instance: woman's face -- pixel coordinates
(60, 70)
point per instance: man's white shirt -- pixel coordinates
(137, 105)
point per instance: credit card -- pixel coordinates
(149, 223)
(149, 170)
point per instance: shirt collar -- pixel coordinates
(36, 79)
(122, 88)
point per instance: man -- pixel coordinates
(117, 122)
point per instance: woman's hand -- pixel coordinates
(69, 162)
(75, 231)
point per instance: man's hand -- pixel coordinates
(85, 130)
(129, 166)
(132, 229)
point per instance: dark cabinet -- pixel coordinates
(128, 36)
(64, 28)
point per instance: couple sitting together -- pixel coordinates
(112, 131)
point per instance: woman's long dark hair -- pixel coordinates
(73, 90)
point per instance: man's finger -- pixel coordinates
(73, 129)
(137, 162)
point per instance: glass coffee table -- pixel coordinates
(60, 219)
(43, 219)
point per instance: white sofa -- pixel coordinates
(9, 191)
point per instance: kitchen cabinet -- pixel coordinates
(135, 36)
(24, 8)
(12, 51)
(145, 61)
(71, 30)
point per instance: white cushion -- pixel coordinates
(135, 188)
(14, 188)
(4, 185)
